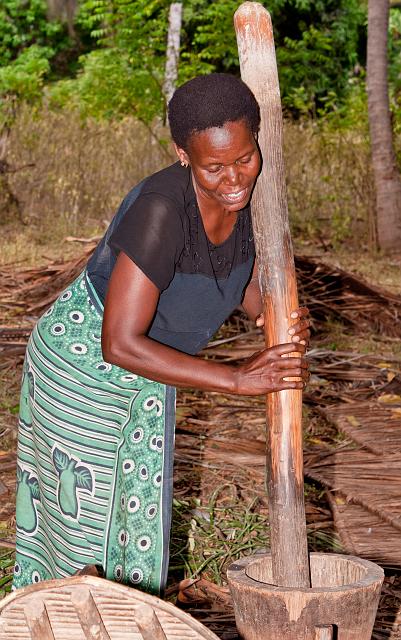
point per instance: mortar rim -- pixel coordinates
(374, 574)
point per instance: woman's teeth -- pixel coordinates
(236, 196)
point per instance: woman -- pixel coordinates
(97, 409)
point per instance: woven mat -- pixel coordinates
(374, 425)
(364, 534)
(364, 482)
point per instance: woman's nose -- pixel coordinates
(232, 174)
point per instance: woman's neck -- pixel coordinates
(217, 221)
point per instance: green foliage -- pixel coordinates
(317, 48)
(352, 113)
(22, 81)
(24, 77)
(209, 42)
(317, 45)
(125, 76)
(395, 66)
(320, 50)
(22, 24)
(109, 87)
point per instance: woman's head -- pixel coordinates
(210, 101)
(214, 122)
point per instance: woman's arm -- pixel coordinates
(252, 300)
(130, 307)
(253, 307)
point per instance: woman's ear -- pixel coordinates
(182, 156)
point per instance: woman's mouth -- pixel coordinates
(235, 196)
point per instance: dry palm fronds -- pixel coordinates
(202, 592)
(388, 619)
(336, 375)
(365, 482)
(9, 334)
(13, 341)
(332, 291)
(327, 291)
(33, 290)
(224, 451)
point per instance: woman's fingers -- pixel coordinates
(302, 338)
(275, 369)
(300, 326)
(300, 331)
(288, 366)
(290, 363)
(291, 373)
(298, 371)
(291, 385)
(286, 348)
(300, 312)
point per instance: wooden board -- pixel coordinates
(116, 604)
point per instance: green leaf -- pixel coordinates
(34, 485)
(60, 460)
(84, 478)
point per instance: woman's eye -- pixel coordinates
(244, 160)
(214, 169)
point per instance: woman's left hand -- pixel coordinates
(300, 330)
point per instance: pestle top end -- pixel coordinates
(251, 10)
(254, 20)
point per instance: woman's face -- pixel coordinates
(225, 163)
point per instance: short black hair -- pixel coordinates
(211, 101)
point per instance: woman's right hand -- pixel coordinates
(264, 372)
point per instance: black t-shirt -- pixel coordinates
(160, 228)
(162, 232)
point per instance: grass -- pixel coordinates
(9, 405)
(6, 568)
(207, 538)
(337, 337)
(70, 176)
(25, 246)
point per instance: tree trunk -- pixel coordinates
(386, 173)
(173, 50)
(10, 206)
(65, 11)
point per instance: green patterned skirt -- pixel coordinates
(95, 455)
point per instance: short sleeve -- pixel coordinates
(151, 234)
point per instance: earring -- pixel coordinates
(184, 164)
